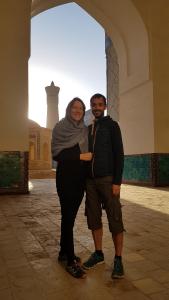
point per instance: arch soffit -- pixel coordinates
(123, 24)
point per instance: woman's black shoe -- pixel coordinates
(76, 271)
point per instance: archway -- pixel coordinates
(130, 42)
(128, 33)
(142, 96)
(128, 80)
(70, 55)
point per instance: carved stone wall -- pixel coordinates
(112, 73)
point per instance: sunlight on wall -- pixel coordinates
(31, 186)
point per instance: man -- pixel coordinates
(103, 184)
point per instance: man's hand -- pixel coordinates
(116, 189)
(86, 156)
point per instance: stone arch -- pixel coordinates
(127, 56)
(134, 92)
(128, 33)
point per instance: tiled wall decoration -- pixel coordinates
(147, 169)
(163, 169)
(144, 169)
(13, 172)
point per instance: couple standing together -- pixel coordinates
(89, 159)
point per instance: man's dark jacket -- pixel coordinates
(105, 142)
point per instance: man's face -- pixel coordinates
(98, 107)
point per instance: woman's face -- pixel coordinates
(76, 111)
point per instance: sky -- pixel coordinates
(67, 47)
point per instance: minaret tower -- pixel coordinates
(52, 92)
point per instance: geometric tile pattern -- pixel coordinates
(147, 169)
(13, 172)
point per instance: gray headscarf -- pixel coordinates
(67, 133)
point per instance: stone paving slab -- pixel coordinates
(29, 245)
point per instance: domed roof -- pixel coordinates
(33, 124)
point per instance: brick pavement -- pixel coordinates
(29, 244)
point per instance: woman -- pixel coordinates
(69, 149)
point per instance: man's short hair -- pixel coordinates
(98, 96)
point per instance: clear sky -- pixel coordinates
(68, 47)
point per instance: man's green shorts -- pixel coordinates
(98, 195)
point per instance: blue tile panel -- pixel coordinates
(13, 172)
(163, 169)
(147, 169)
(137, 168)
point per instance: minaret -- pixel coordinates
(52, 92)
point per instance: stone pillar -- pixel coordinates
(15, 52)
(159, 45)
(52, 92)
(112, 72)
(153, 167)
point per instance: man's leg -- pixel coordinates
(97, 237)
(96, 257)
(118, 243)
(94, 214)
(118, 271)
(114, 214)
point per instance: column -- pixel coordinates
(14, 49)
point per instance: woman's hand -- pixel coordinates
(86, 156)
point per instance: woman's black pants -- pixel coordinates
(69, 202)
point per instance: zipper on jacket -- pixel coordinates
(94, 141)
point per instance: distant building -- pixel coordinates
(40, 163)
(40, 160)
(52, 92)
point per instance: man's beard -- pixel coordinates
(100, 115)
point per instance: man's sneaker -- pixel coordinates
(118, 271)
(76, 271)
(93, 260)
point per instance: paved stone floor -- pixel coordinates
(29, 244)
